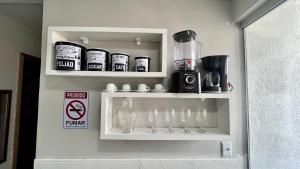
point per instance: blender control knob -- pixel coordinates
(190, 79)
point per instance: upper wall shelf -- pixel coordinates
(153, 44)
(106, 74)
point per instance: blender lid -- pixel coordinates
(185, 36)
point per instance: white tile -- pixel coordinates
(46, 165)
(188, 164)
(151, 165)
(37, 166)
(71, 165)
(100, 165)
(139, 164)
(234, 164)
(216, 164)
(126, 165)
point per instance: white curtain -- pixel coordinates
(272, 47)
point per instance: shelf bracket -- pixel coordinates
(138, 41)
(84, 40)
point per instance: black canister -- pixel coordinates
(142, 64)
(97, 59)
(119, 62)
(69, 56)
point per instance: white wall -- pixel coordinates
(14, 38)
(211, 19)
(243, 8)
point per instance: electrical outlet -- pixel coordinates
(226, 149)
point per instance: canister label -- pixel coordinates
(68, 57)
(96, 60)
(142, 65)
(119, 63)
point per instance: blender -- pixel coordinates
(185, 78)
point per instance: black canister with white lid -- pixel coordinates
(119, 62)
(69, 56)
(142, 64)
(97, 59)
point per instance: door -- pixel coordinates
(272, 48)
(5, 103)
(28, 112)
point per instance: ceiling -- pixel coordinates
(26, 12)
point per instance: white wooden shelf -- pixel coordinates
(153, 44)
(105, 74)
(143, 134)
(166, 95)
(218, 123)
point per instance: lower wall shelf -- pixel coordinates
(217, 123)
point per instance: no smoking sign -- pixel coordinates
(75, 109)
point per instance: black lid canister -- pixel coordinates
(119, 62)
(142, 64)
(69, 56)
(97, 59)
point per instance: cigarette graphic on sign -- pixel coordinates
(75, 110)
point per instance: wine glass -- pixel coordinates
(132, 115)
(188, 115)
(185, 118)
(131, 120)
(200, 118)
(169, 117)
(151, 120)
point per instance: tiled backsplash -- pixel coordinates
(235, 163)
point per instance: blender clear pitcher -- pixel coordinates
(186, 50)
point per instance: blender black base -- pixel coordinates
(211, 89)
(186, 82)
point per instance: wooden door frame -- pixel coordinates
(18, 106)
(6, 124)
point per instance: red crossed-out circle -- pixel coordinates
(71, 107)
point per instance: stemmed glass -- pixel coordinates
(151, 120)
(201, 117)
(131, 122)
(185, 118)
(132, 115)
(169, 117)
